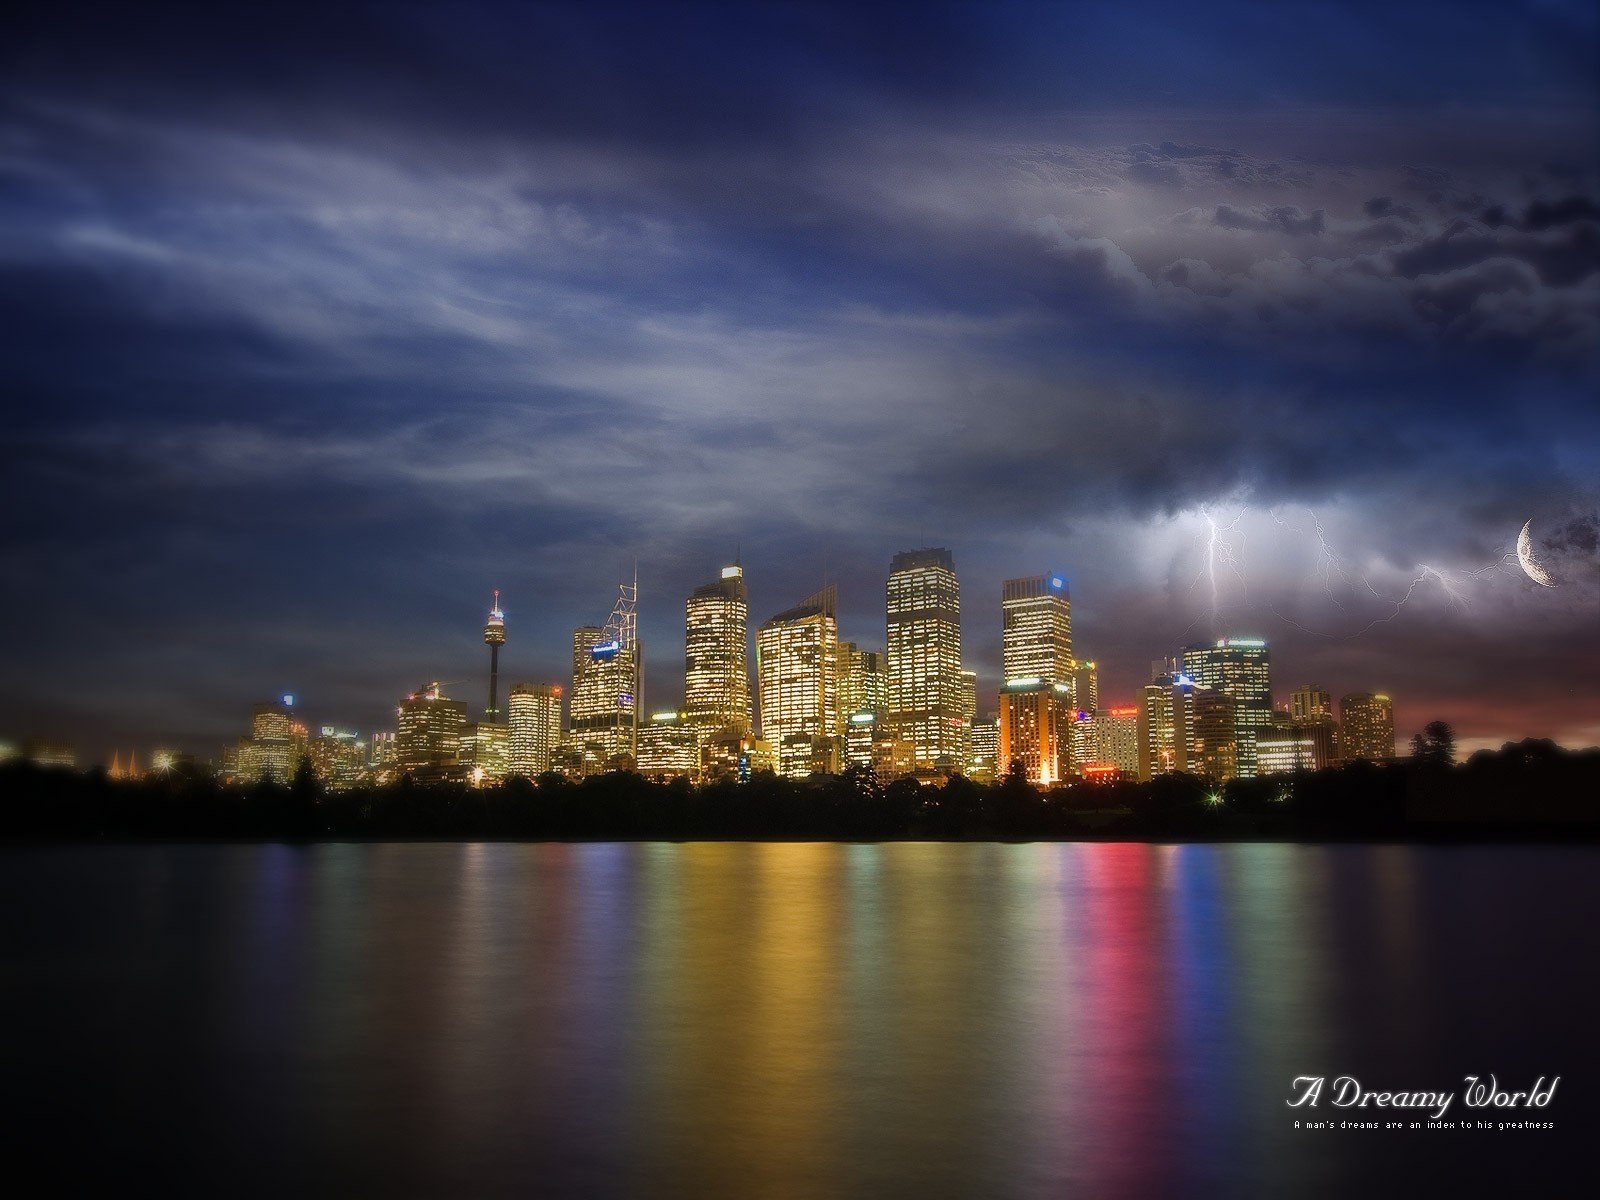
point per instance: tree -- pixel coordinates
(1435, 744)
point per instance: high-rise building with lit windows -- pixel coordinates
(924, 657)
(863, 684)
(669, 748)
(534, 711)
(983, 765)
(1161, 749)
(1212, 733)
(1113, 743)
(1310, 703)
(1366, 727)
(1086, 686)
(1240, 668)
(716, 670)
(1036, 628)
(1035, 730)
(1311, 716)
(427, 743)
(607, 682)
(969, 714)
(797, 673)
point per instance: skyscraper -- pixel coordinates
(1366, 727)
(1161, 750)
(1310, 703)
(924, 656)
(863, 685)
(607, 679)
(1034, 730)
(535, 720)
(669, 748)
(427, 742)
(494, 636)
(797, 670)
(716, 674)
(1086, 686)
(1212, 729)
(1238, 667)
(1036, 629)
(1114, 741)
(1311, 715)
(969, 714)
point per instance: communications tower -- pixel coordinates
(494, 636)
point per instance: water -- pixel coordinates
(787, 1020)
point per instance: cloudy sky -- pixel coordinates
(321, 322)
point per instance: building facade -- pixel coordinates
(716, 668)
(1034, 729)
(923, 605)
(533, 713)
(1036, 629)
(1240, 668)
(797, 656)
(1366, 727)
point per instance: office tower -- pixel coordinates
(716, 674)
(1036, 629)
(863, 683)
(1161, 751)
(276, 744)
(869, 742)
(1213, 733)
(1086, 686)
(494, 636)
(969, 714)
(797, 667)
(984, 763)
(607, 679)
(1285, 749)
(428, 735)
(534, 711)
(1034, 730)
(46, 752)
(381, 757)
(1113, 743)
(669, 748)
(1366, 727)
(924, 656)
(1310, 703)
(486, 752)
(1240, 668)
(338, 758)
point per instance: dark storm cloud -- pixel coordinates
(321, 321)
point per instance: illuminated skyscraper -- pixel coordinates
(1366, 727)
(486, 752)
(984, 763)
(1086, 686)
(1034, 729)
(1241, 669)
(1036, 629)
(535, 720)
(608, 670)
(1161, 750)
(339, 758)
(427, 741)
(494, 636)
(924, 656)
(669, 748)
(969, 714)
(797, 668)
(1310, 703)
(716, 672)
(1212, 733)
(276, 744)
(863, 685)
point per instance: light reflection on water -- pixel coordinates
(774, 1019)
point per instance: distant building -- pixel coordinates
(42, 752)
(870, 742)
(534, 711)
(607, 683)
(1086, 686)
(486, 752)
(1161, 748)
(275, 745)
(1284, 750)
(863, 683)
(716, 676)
(1240, 668)
(430, 728)
(796, 665)
(923, 607)
(669, 748)
(984, 764)
(1366, 727)
(969, 713)
(339, 758)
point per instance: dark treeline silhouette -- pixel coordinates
(1531, 789)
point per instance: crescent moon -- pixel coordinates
(1531, 565)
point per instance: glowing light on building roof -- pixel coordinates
(733, 572)
(288, 699)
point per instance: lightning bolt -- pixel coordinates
(1222, 550)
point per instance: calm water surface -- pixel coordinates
(780, 1019)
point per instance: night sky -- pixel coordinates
(320, 323)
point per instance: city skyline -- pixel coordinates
(1296, 347)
